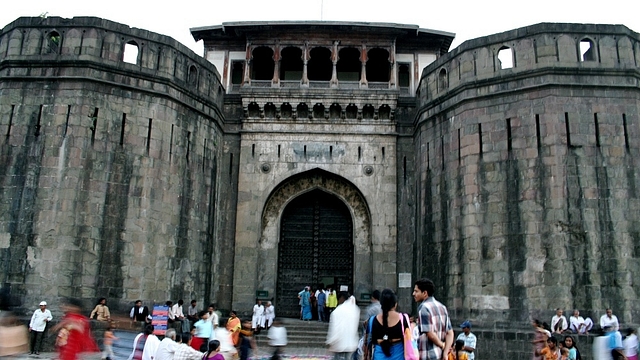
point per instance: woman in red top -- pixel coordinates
(74, 332)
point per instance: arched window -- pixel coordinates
(351, 111)
(318, 111)
(384, 113)
(291, 64)
(131, 51)
(286, 111)
(367, 111)
(335, 111)
(320, 67)
(302, 110)
(587, 50)
(253, 110)
(262, 64)
(193, 75)
(505, 58)
(349, 65)
(53, 42)
(378, 65)
(269, 110)
(442, 80)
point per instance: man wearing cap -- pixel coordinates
(37, 326)
(468, 338)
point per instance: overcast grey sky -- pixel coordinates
(468, 19)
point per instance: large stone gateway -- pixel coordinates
(505, 169)
(316, 247)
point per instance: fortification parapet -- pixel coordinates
(82, 42)
(567, 49)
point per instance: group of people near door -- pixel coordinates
(318, 304)
(263, 315)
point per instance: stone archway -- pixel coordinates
(300, 184)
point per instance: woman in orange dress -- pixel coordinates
(233, 327)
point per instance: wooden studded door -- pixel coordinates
(316, 244)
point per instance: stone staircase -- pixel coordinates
(300, 334)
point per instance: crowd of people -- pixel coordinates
(556, 342)
(392, 335)
(387, 334)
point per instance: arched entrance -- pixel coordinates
(316, 246)
(326, 185)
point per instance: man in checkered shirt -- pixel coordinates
(436, 333)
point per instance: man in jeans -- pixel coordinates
(37, 326)
(436, 333)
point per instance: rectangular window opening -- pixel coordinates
(171, 143)
(404, 169)
(124, 122)
(204, 154)
(66, 124)
(253, 150)
(149, 135)
(13, 108)
(383, 153)
(359, 153)
(459, 149)
(278, 151)
(480, 139)
(442, 151)
(567, 128)
(230, 164)
(38, 126)
(330, 152)
(305, 151)
(509, 135)
(188, 145)
(626, 133)
(94, 125)
(595, 123)
(538, 139)
(428, 157)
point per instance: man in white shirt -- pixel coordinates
(37, 326)
(192, 312)
(214, 320)
(609, 319)
(559, 322)
(185, 351)
(342, 336)
(179, 316)
(469, 339)
(168, 346)
(578, 324)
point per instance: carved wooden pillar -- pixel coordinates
(334, 60)
(363, 72)
(247, 65)
(394, 66)
(304, 82)
(275, 82)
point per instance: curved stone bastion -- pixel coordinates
(526, 145)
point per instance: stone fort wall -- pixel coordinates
(109, 169)
(526, 177)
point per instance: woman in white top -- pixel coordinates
(630, 344)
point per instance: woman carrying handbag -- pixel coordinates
(389, 333)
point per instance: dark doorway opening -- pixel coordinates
(316, 246)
